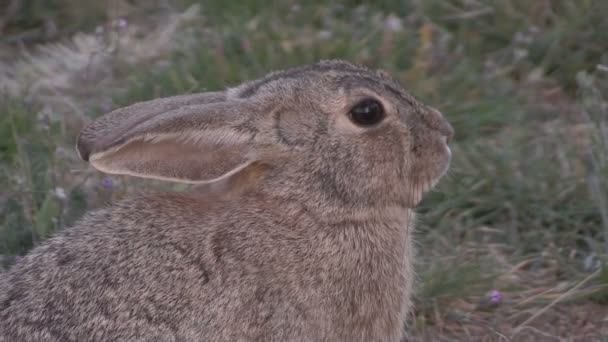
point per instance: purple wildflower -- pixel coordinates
(107, 182)
(246, 44)
(495, 296)
(106, 107)
(122, 23)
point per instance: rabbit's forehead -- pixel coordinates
(381, 87)
(325, 76)
(288, 78)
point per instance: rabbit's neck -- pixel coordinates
(333, 210)
(393, 215)
(373, 265)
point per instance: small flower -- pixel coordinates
(519, 54)
(246, 44)
(60, 193)
(324, 34)
(122, 23)
(60, 152)
(106, 106)
(44, 118)
(9, 260)
(495, 297)
(393, 24)
(107, 182)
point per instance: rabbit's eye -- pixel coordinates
(367, 113)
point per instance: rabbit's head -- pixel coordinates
(330, 133)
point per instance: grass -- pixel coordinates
(523, 211)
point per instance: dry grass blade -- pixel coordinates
(555, 301)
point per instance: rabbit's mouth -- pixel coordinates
(448, 151)
(444, 160)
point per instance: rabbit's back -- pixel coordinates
(125, 274)
(137, 273)
(112, 276)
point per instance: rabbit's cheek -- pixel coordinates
(431, 159)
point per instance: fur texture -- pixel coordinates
(299, 228)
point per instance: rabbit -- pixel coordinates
(297, 225)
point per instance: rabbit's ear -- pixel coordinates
(191, 139)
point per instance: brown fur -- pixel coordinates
(299, 229)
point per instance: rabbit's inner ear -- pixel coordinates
(172, 159)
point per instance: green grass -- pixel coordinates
(524, 84)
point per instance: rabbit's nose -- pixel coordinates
(438, 122)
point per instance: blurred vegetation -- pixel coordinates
(525, 84)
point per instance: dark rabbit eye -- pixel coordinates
(367, 113)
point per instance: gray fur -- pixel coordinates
(299, 228)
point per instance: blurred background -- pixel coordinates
(513, 245)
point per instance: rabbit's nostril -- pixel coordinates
(442, 125)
